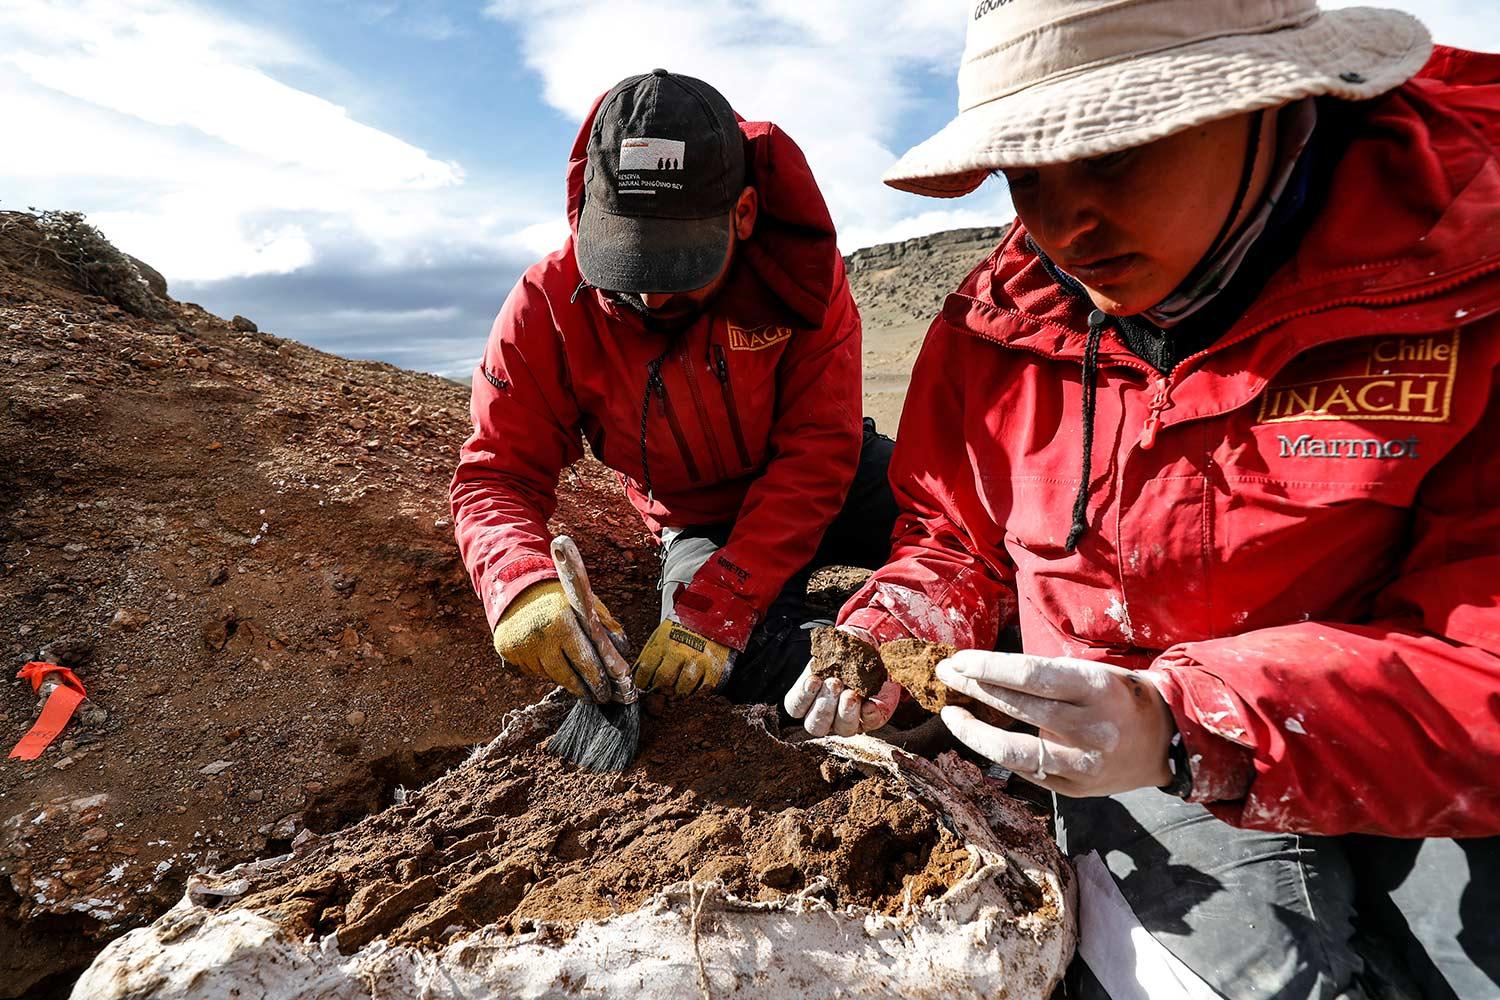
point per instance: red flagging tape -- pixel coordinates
(60, 706)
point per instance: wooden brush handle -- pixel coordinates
(611, 647)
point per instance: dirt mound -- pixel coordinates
(243, 547)
(529, 840)
(831, 587)
(908, 281)
(409, 884)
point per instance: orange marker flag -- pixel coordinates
(60, 706)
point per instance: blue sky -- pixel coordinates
(371, 176)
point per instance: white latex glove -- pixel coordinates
(824, 705)
(1101, 729)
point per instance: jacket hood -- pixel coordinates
(786, 273)
(1411, 221)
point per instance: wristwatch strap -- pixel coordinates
(1181, 784)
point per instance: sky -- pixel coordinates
(372, 176)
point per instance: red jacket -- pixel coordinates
(755, 417)
(1308, 554)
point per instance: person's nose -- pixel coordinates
(1067, 208)
(655, 300)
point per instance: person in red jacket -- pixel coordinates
(697, 331)
(1216, 428)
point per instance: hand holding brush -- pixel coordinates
(597, 737)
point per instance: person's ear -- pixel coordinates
(745, 212)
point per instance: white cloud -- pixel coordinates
(167, 124)
(172, 67)
(201, 143)
(838, 75)
(539, 239)
(395, 317)
(427, 25)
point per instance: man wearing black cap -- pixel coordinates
(697, 330)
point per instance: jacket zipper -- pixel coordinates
(656, 383)
(721, 369)
(1161, 399)
(713, 446)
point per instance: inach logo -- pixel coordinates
(757, 340)
(1391, 378)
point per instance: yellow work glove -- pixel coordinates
(541, 636)
(678, 661)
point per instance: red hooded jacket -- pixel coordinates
(1297, 531)
(751, 416)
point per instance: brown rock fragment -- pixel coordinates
(377, 909)
(912, 663)
(855, 663)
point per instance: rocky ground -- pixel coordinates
(243, 547)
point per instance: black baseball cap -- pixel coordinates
(666, 167)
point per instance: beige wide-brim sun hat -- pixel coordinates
(1054, 81)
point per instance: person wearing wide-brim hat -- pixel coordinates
(1214, 427)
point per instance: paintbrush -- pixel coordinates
(596, 737)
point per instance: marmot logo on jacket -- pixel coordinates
(759, 339)
(1381, 378)
(1307, 446)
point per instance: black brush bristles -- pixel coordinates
(599, 738)
(577, 731)
(617, 741)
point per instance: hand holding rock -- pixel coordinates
(1101, 729)
(825, 705)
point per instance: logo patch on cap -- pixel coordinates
(652, 154)
(638, 156)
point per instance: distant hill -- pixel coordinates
(899, 288)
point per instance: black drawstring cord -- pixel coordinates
(573, 300)
(1097, 322)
